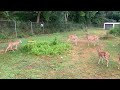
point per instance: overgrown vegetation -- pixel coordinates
(115, 31)
(2, 36)
(107, 37)
(46, 48)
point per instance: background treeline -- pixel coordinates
(82, 17)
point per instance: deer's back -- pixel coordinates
(93, 38)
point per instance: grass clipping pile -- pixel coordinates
(46, 48)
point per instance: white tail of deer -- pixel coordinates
(73, 38)
(13, 44)
(103, 55)
(92, 39)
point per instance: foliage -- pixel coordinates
(87, 18)
(59, 16)
(114, 15)
(2, 36)
(45, 48)
(115, 31)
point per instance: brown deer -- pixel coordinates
(92, 39)
(73, 38)
(13, 44)
(103, 55)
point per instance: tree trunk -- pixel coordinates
(38, 17)
(66, 16)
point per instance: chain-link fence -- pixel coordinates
(7, 28)
(13, 29)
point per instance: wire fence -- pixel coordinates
(17, 29)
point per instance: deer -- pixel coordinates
(73, 38)
(13, 44)
(103, 55)
(92, 39)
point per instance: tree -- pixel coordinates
(38, 16)
(66, 13)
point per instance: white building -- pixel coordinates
(110, 25)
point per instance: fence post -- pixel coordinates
(15, 28)
(31, 27)
(42, 26)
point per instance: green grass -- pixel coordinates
(78, 63)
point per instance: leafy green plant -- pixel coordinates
(54, 47)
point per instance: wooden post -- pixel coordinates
(31, 28)
(42, 26)
(15, 28)
(104, 26)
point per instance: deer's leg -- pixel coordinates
(107, 62)
(97, 42)
(76, 42)
(6, 49)
(88, 43)
(68, 40)
(99, 60)
(118, 65)
(102, 60)
(11, 48)
(16, 47)
(94, 43)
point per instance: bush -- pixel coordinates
(46, 48)
(2, 36)
(21, 35)
(115, 31)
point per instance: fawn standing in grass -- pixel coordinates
(73, 38)
(92, 39)
(103, 55)
(13, 44)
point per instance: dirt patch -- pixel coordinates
(81, 50)
(2, 51)
(31, 66)
(20, 76)
(48, 58)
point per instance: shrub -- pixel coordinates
(21, 35)
(46, 48)
(2, 36)
(115, 31)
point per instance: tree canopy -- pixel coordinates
(82, 17)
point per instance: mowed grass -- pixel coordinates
(79, 63)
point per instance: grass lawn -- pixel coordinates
(79, 63)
